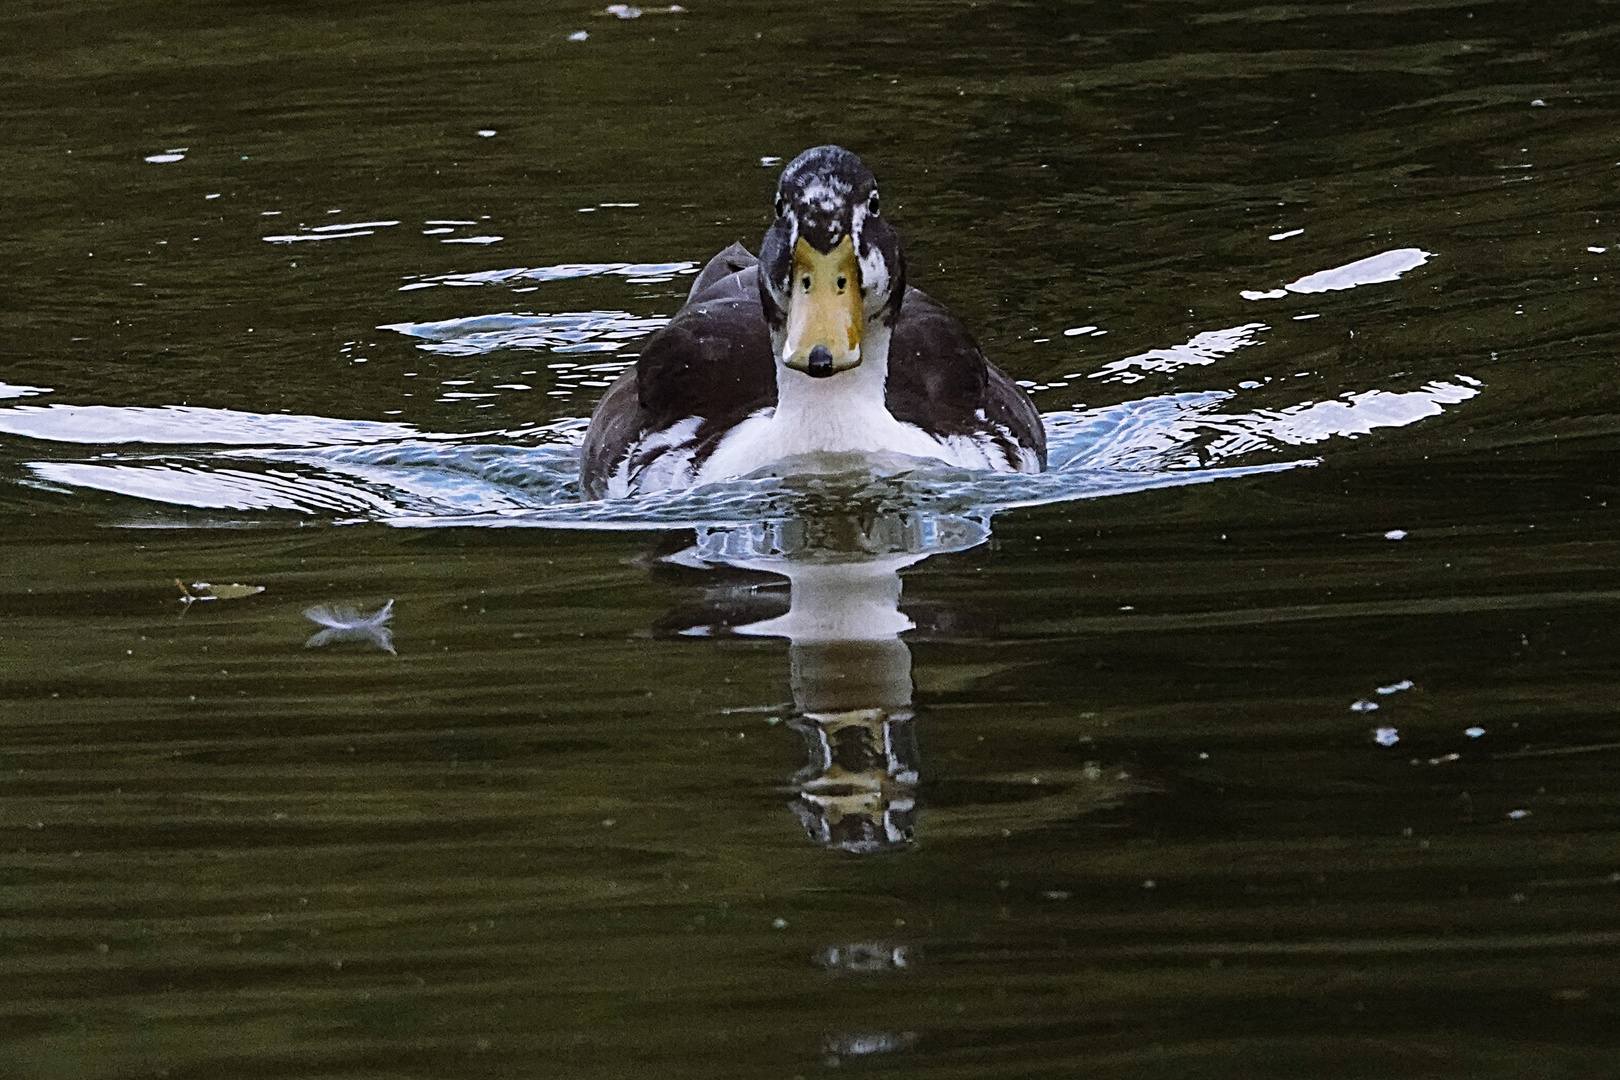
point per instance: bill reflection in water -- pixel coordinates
(851, 673)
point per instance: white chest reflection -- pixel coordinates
(851, 673)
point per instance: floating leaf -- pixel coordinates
(202, 590)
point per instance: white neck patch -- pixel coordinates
(874, 270)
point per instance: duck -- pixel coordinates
(817, 346)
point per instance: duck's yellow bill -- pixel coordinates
(825, 312)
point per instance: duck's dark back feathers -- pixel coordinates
(728, 262)
(940, 381)
(712, 361)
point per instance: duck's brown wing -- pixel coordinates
(941, 382)
(711, 363)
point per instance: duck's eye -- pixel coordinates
(807, 283)
(842, 281)
(781, 206)
(872, 204)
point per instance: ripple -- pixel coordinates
(184, 425)
(1373, 270)
(351, 226)
(211, 487)
(1205, 348)
(563, 332)
(336, 231)
(641, 273)
(293, 238)
(363, 470)
(349, 470)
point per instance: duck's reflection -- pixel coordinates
(851, 673)
(858, 793)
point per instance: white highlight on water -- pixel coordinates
(1385, 266)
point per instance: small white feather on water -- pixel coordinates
(347, 624)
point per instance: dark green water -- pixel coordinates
(574, 827)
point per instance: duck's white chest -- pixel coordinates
(844, 414)
(773, 434)
(768, 437)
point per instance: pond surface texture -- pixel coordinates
(1273, 734)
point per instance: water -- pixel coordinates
(1271, 733)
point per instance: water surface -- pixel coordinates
(1270, 734)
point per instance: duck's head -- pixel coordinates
(831, 268)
